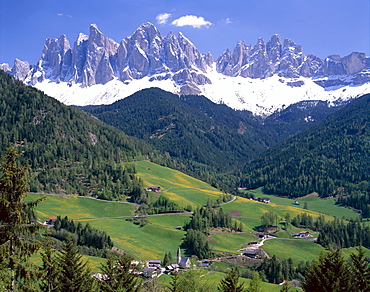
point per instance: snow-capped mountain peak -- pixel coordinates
(261, 78)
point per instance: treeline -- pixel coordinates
(358, 200)
(202, 220)
(160, 205)
(336, 233)
(96, 241)
(205, 218)
(276, 270)
(329, 158)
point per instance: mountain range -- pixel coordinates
(263, 78)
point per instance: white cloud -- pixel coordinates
(64, 15)
(227, 20)
(162, 18)
(191, 20)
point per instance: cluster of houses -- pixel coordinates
(153, 268)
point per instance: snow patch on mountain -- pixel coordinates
(260, 96)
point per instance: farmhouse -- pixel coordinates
(51, 220)
(304, 234)
(150, 272)
(251, 253)
(264, 200)
(153, 263)
(154, 189)
(301, 234)
(259, 234)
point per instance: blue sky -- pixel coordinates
(322, 27)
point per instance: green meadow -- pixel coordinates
(252, 209)
(314, 203)
(231, 242)
(297, 249)
(148, 242)
(79, 207)
(162, 234)
(179, 187)
(169, 220)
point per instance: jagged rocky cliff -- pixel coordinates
(151, 58)
(97, 59)
(288, 60)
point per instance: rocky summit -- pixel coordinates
(173, 63)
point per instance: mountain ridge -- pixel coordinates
(247, 78)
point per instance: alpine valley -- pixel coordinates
(252, 168)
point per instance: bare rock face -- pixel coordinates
(21, 69)
(97, 59)
(5, 67)
(97, 68)
(288, 60)
(264, 59)
(55, 60)
(348, 65)
(79, 58)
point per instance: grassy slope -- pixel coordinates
(314, 203)
(253, 209)
(213, 279)
(177, 186)
(161, 235)
(151, 241)
(79, 207)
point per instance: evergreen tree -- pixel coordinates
(50, 269)
(328, 274)
(175, 283)
(117, 276)
(166, 259)
(360, 271)
(231, 282)
(75, 276)
(14, 222)
(255, 285)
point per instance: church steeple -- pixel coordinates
(178, 256)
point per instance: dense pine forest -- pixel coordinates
(330, 158)
(187, 127)
(208, 141)
(69, 151)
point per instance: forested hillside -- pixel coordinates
(188, 127)
(329, 158)
(69, 151)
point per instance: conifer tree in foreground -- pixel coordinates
(50, 268)
(117, 276)
(75, 275)
(329, 273)
(15, 225)
(231, 282)
(359, 270)
(256, 284)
